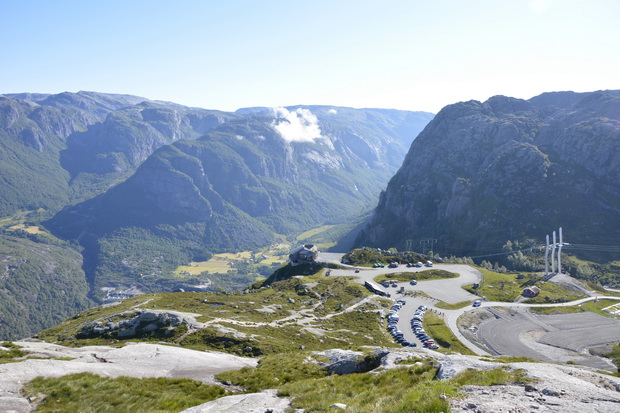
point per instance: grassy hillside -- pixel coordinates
(311, 311)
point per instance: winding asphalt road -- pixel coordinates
(503, 335)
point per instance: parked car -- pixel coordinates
(413, 282)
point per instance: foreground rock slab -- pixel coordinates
(138, 360)
(554, 388)
(266, 401)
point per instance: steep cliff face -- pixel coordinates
(506, 169)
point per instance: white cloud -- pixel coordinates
(260, 137)
(332, 111)
(299, 125)
(239, 137)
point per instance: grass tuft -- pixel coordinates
(418, 276)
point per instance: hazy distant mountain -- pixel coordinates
(507, 169)
(33, 131)
(108, 152)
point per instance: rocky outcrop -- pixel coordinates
(139, 323)
(506, 169)
(347, 361)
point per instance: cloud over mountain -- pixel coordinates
(300, 125)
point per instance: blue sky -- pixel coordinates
(415, 55)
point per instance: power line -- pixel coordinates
(508, 252)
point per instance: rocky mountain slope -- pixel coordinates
(41, 284)
(272, 171)
(507, 169)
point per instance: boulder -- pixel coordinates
(347, 361)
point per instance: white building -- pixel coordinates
(306, 254)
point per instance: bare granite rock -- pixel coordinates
(555, 388)
(263, 402)
(139, 360)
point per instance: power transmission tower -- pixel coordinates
(425, 242)
(408, 245)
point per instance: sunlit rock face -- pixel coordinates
(507, 169)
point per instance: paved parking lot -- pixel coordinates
(508, 335)
(577, 332)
